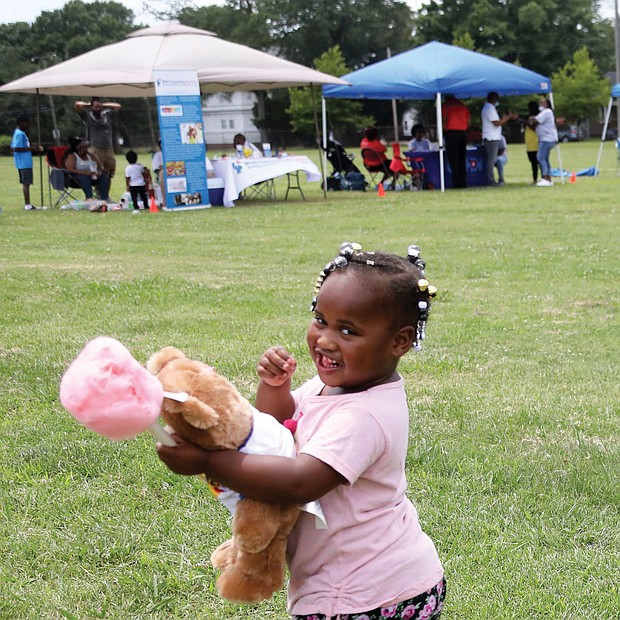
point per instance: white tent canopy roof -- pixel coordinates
(125, 69)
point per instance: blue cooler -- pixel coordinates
(216, 191)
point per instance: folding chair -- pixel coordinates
(59, 178)
(375, 165)
(417, 169)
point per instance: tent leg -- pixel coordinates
(440, 140)
(605, 125)
(39, 142)
(317, 138)
(324, 154)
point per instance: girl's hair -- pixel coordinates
(407, 292)
(416, 128)
(371, 133)
(548, 102)
(131, 157)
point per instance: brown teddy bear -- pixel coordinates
(215, 416)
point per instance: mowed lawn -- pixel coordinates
(514, 453)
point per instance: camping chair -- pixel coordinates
(417, 169)
(376, 165)
(398, 168)
(59, 179)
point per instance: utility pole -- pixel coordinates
(617, 55)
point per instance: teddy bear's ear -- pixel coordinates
(158, 360)
(199, 414)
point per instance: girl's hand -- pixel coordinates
(185, 458)
(276, 366)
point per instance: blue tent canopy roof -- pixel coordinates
(424, 71)
(615, 91)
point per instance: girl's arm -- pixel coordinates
(275, 369)
(261, 477)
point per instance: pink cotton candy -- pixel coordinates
(109, 392)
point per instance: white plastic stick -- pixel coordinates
(161, 435)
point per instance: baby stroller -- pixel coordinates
(346, 174)
(340, 160)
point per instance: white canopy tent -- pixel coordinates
(125, 69)
(615, 92)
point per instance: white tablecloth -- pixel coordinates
(241, 173)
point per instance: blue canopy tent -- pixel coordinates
(615, 92)
(433, 70)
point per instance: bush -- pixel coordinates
(5, 145)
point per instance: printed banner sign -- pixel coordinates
(179, 109)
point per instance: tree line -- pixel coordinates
(571, 42)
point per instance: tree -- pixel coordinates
(239, 24)
(578, 88)
(538, 34)
(343, 113)
(363, 29)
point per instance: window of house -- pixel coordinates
(231, 124)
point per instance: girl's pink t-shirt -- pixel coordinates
(373, 551)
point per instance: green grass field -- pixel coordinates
(514, 454)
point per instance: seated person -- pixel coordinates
(249, 149)
(86, 169)
(419, 142)
(371, 141)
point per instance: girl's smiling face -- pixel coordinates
(353, 338)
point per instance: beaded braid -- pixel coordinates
(409, 287)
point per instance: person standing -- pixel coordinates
(97, 118)
(22, 155)
(492, 132)
(136, 180)
(531, 141)
(374, 560)
(544, 123)
(456, 117)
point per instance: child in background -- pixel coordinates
(22, 154)
(419, 142)
(531, 141)
(373, 561)
(136, 178)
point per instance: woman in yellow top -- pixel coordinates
(531, 141)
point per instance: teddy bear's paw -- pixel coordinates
(225, 555)
(241, 588)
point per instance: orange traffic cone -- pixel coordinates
(573, 177)
(153, 205)
(380, 190)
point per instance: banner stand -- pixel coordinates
(179, 110)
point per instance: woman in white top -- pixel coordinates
(86, 169)
(544, 124)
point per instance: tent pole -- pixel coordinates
(324, 154)
(440, 139)
(394, 112)
(559, 152)
(39, 142)
(317, 138)
(605, 124)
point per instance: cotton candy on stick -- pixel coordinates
(111, 393)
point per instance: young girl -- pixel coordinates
(373, 561)
(136, 180)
